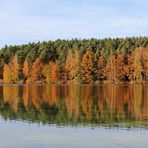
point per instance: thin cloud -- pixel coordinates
(25, 21)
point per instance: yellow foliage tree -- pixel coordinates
(10, 73)
(69, 66)
(7, 75)
(54, 72)
(50, 72)
(14, 68)
(47, 73)
(26, 69)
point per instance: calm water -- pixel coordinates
(105, 116)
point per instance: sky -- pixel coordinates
(24, 21)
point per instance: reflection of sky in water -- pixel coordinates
(16, 134)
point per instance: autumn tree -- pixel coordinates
(129, 67)
(77, 66)
(10, 73)
(101, 67)
(145, 62)
(36, 71)
(50, 72)
(73, 66)
(114, 71)
(88, 67)
(14, 69)
(54, 72)
(1, 69)
(119, 67)
(62, 74)
(69, 65)
(73, 62)
(110, 69)
(26, 69)
(47, 73)
(138, 68)
(7, 75)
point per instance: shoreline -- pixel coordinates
(72, 83)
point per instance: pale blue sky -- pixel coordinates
(23, 21)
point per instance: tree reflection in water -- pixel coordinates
(106, 105)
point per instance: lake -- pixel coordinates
(63, 116)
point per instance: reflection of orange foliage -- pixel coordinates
(122, 100)
(46, 93)
(25, 95)
(7, 93)
(72, 101)
(53, 99)
(145, 102)
(15, 92)
(137, 101)
(101, 99)
(10, 95)
(115, 100)
(119, 99)
(36, 95)
(109, 97)
(87, 100)
(50, 95)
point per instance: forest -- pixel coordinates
(84, 61)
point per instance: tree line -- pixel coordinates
(118, 60)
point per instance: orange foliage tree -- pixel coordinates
(87, 67)
(73, 66)
(110, 69)
(145, 62)
(129, 67)
(101, 66)
(54, 72)
(119, 67)
(26, 69)
(138, 67)
(77, 66)
(62, 74)
(36, 71)
(115, 68)
(69, 66)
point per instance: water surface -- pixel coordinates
(74, 116)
